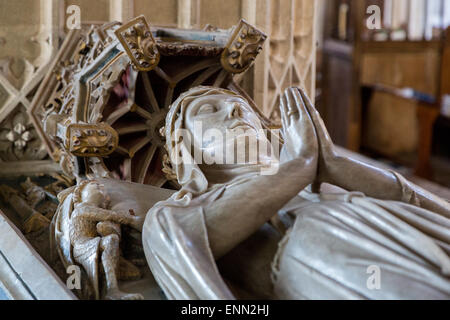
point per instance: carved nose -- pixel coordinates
(235, 111)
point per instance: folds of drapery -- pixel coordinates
(329, 253)
(339, 241)
(176, 246)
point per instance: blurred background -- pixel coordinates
(383, 86)
(377, 70)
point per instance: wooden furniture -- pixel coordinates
(428, 113)
(352, 62)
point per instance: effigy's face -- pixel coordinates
(226, 114)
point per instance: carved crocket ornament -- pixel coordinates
(245, 43)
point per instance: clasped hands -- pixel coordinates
(305, 135)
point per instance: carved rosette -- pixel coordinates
(139, 44)
(244, 45)
(18, 138)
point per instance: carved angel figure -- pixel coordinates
(377, 219)
(88, 234)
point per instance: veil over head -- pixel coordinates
(187, 171)
(175, 237)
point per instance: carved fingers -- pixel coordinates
(97, 214)
(137, 222)
(327, 152)
(298, 129)
(130, 219)
(292, 107)
(325, 142)
(105, 228)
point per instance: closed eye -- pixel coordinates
(206, 108)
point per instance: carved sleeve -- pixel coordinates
(99, 214)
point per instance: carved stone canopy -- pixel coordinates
(104, 100)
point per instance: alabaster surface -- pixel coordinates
(302, 223)
(98, 222)
(325, 241)
(89, 226)
(258, 224)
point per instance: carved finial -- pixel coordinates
(139, 44)
(245, 43)
(90, 140)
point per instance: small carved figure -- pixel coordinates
(87, 233)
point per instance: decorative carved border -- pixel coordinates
(48, 85)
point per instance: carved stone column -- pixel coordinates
(289, 56)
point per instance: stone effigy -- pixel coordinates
(112, 108)
(381, 220)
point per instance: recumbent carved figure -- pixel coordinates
(88, 234)
(377, 218)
